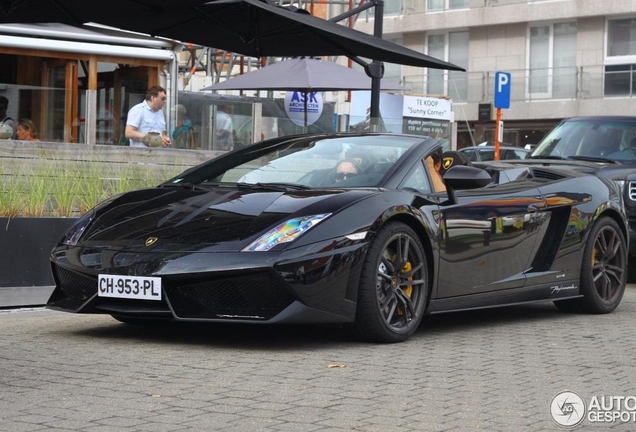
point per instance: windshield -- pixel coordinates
(306, 162)
(590, 138)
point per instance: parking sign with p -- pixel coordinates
(502, 89)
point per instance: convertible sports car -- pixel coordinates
(274, 233)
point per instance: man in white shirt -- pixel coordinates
(146, 123)
(224, 128)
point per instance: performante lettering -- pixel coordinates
(556, 288)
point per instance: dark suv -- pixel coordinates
(609, 144)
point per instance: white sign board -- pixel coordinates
(426, 107)
(426, 116)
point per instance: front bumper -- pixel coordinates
(314, 285)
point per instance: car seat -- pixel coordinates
(367, 160)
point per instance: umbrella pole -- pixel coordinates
(305, 127)
(374, 124)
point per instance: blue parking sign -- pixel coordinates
(502, 89)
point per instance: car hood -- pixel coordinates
(222, 219)
(608, 170)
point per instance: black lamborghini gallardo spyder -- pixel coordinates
(273, 233)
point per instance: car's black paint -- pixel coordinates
(608, 143)
(504, 233)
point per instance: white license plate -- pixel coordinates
(131, 287)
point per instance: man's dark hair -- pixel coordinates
(154, 91)
(437, 156)
(4, 101)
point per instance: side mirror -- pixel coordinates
(460, 177)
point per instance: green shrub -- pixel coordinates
(55, 188)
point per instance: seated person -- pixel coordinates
(347, 168)
(434, 165)
(26, 130)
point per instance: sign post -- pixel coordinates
(502, 100)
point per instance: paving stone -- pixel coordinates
(495, 370)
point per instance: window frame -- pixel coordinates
(627, 60)
(549, 93)
(445, 73)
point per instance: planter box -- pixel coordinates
(25, 269)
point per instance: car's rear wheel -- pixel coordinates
(393, 286)
(604, 270)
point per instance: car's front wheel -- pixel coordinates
(603, 272)
(393, 286)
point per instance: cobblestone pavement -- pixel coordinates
(491, 370)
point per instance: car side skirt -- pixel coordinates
(510, 297)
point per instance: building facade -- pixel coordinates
(565, 57)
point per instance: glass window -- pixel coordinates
(621, 47)
(512, 154)
(552, 61)
(434, 5)
(539, 59)
(619, 80)
(451, 47)
(564, 84)
(438, 5)
(589, 137)
(470, 152)
(486, 154)
(391, 7)
(308, 162)
(458, 4)
(621, 37)
(417, 180)
(437, 49)
(458, 54)
(393, 71)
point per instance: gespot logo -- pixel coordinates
(567, 409)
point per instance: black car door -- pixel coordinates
(488, 238)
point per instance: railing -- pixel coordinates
(47, 109)
(401, 7)
(47, 104)
(529, 85)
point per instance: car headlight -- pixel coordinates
(73, 234)
(284, 233)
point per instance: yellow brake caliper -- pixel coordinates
(408, 290)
